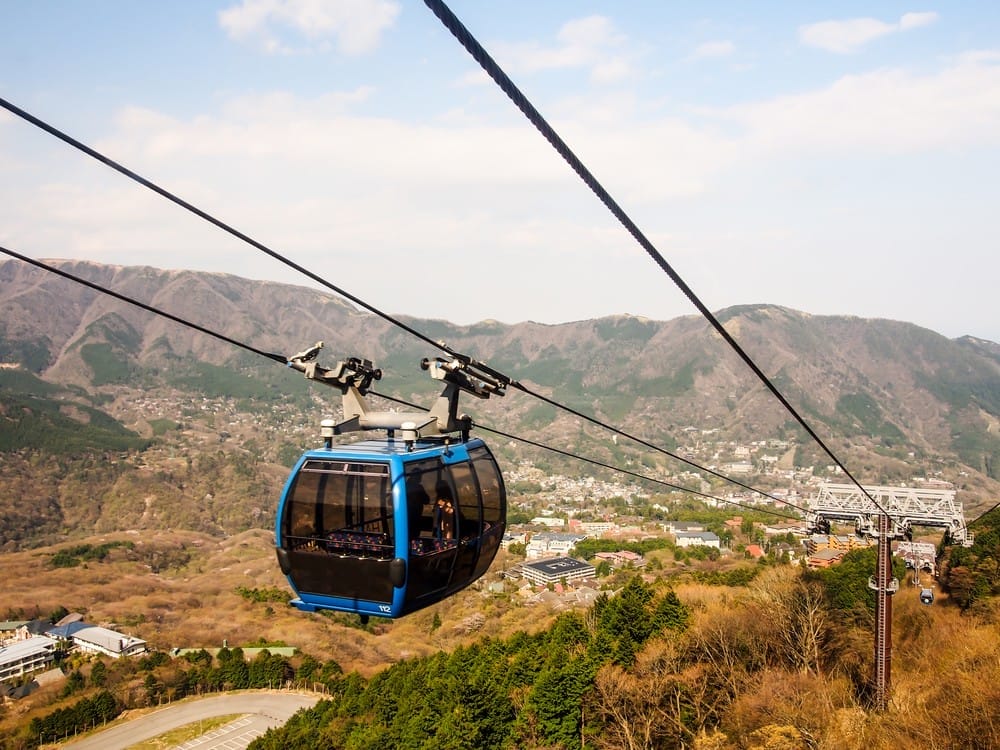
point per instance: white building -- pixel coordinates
(92, 639)
(696, 539)
(598, 528)
(519, 537)
(621, 558)
(551, 521)
(22, 657)
(675, 527)
(547, 544)
(557, 570)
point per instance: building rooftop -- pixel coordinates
(23, 649)
(556, 536)
(708, 536)
(106, 639)
(827, 554)
(557, 566)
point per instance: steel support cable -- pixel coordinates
(560, 451)
(595, 462)
(283, 360)
(640, 441)
(480, 55)
(148, 308)
(643, 477)
(652, 446)
(39, 123)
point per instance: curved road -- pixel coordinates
(259, 711)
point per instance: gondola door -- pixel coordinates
(432, 551)
(494, 497)
(469, 523)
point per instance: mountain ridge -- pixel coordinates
(889, 397)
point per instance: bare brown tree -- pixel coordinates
(797, 617)
(664, 701)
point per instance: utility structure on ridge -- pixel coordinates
(904, 507)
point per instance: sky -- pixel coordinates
(837, 158)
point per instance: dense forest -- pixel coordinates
(972, 574)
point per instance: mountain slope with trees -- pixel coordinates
(778, 665)
(115, 420)
(188, 419)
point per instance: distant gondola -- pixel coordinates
(387, 527)
(926, 596)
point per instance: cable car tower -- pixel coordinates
(904, 508)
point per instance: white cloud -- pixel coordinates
(979, 56)
(723, 48)
(851, 34)
(319, 140)
(887, 111)
(355, 25)
(591, 43)
(272, 159)
(610, 71)
(344, 193)
(916, 20)
(339, 191)
(844, 36)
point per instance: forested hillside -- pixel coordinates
(783, 662)
(884, 388)
(114, 422)
(780, 664)
(972, 574)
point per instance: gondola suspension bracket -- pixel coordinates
(354, 376)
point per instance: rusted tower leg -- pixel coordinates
(885, 586)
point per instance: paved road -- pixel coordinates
(259, 711)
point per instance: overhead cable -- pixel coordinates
(643, 477)
(489, 65)
(148, 308)
(283, 360)
(618, 469)
(651, 446)
(93, 153)
(102, 158)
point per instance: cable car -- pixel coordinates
(387, 527)
(926, 596)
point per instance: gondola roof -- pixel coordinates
(385, 447)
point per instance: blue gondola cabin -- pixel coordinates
(387, 527)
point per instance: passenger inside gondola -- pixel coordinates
(444, 513)
(419, 508)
